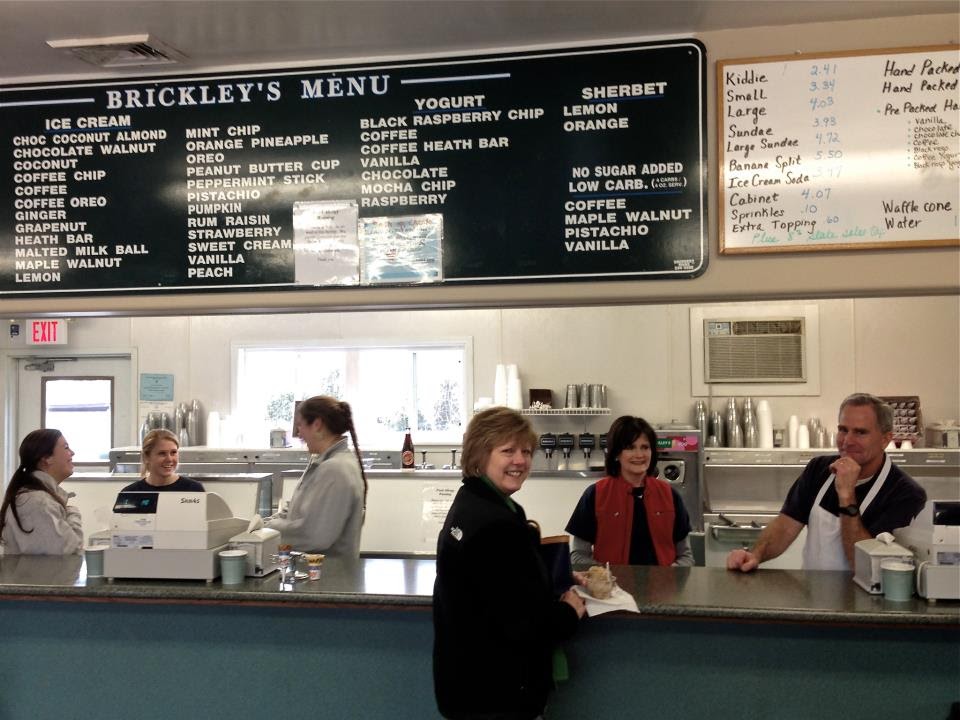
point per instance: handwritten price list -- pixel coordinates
(839, 152)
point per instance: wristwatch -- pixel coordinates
(851, 510)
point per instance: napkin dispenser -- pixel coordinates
(262, 546)
(867, 556)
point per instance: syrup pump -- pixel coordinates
(587, 442)
(548, 441)
(566, 444)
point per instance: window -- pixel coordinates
(423, 387)
(82, 409)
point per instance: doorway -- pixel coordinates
(89, 398)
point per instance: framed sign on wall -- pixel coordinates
(573, 164)
(839, 151)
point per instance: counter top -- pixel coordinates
(765, 596)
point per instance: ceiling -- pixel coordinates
(214, 34)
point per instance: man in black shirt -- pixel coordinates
(842, 499)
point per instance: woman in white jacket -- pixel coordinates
(35, 518)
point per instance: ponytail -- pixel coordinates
(356, 449)
(337, 416)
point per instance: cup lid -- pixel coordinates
(233, 553)
(896, 564)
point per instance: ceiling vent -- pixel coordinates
(120, 51)
(755, 350)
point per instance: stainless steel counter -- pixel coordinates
(679, 593)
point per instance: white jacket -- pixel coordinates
(56, 530)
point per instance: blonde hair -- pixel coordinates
(488, 429)
(150, 441)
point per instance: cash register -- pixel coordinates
(168, 535)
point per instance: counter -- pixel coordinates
(821, 597)
(357, 643)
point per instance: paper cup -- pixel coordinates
(93, 554)
(314, 563)
(897, 579)
(233, 566)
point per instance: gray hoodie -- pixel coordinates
(325, 513)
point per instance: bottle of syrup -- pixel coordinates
(407, 461)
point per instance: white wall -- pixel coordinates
(888, 346)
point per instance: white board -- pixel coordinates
(839, 151)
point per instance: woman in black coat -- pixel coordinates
(496, 620)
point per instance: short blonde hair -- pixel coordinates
(488, 429)
(150, 441)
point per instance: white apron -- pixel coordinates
(824, 547)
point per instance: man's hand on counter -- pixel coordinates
(742, 560)
(774, 539)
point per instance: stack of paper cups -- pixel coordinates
(803, 437)
(514, 393)
(793, 426)
(500, 386)
(764, 425)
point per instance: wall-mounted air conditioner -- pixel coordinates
(754, 350)
(769, 349)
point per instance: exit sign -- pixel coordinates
(47, 332)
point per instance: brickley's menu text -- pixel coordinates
(566, 165)
(835, 152)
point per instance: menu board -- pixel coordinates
(579, 164)
(839, 151)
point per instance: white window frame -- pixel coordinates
(383, 440)
(81, 459)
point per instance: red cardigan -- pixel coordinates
(614, 509)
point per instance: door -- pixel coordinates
(89, 398)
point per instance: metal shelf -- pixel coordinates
(566, 411)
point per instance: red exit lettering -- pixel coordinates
(46, 332)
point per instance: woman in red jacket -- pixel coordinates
(631, 517)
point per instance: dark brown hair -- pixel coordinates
(337, 417)
(623, 432)
(36, 446)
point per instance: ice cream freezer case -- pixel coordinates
(406, 508)
(208, 461)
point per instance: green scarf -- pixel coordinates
(506, 498)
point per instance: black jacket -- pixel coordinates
(496, 621)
